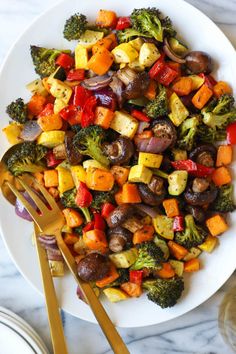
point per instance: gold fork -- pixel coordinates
(50, 222)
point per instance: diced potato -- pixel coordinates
(60, 90)
(136, 66)
(59, 104)
(89, 38)
(57, 268)
(78, 174)
(148, 54)
(13, 132)
(178, 267)
(178, 111)
(209, 244)
(164, 226)
(150, 160)
(140, 174)
(194, 252)
(52, 138)
(124, 259)
(65, 180)
(115, 295)
(93, 164)
(37, 86)
(124, 124)
(81, 57)
(124, 53)
(137, 43)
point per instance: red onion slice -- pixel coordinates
(167, 50)
(31, 131)
(154, 145)
(97, 82)
(142, 126)
(20, 209)
(152, 212)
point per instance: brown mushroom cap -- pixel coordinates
(200, 199)
(198, 62)
(93, 267)
(119, 215)
(119, 151)
(119, 238)
(204, 154)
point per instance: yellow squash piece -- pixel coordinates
(140, 174)
(124, 259)
(150, 160)
(89, 38)
(65, 180)
(178, 111)
(164, 226)
(194, 252)
(115, 295)
(124, 53)
(78, 174)
(60, 90)
(13, 132)
(148, 54)
(136, 66)
(52, 138)
(178, 267)
(124, 124)
(197, 81)
(93, 164)
(81, 57)
(209, 244)
(137, 43)
(59, 104)
(37, 86)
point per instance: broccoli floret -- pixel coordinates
(128, 34)
(79, 230)
(88, 141)
(159, 106)
(206, 134)
(99, 198)
(17, 110)
(147, 21)
(68, 201)
(192, 236)
(123, 278)
(149, 256)
(164, 292)
(224, 202)
(167, 26)
(75, 26)
(219, 114)
(187, 133)
(44, 59)
(26, 157)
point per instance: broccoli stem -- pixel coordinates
(86, 213)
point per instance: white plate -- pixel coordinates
(201, 34)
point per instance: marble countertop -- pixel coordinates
(195, 332)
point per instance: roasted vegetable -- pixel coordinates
(127, 34)
(187, 133)
(68, 201)
(26, 157)
(159, 106)
(192, 236)
(17, 110)
(88, 141)
(149, 256)
(100, 198)
(206, 134)
(164, 292)
(44, 59)
(224, 202)
(75, 26)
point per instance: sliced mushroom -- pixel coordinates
(197, 212)
(148, 196)
(198, 62)
(73, 156)
(119, 215)
(119, 238)
(200, 185)
(133, 224)
(93, 267)
(138, 86)
(204, 154)
(199, 199)
(59, 152)
(164, 129)
(119, 151)
(156, 185)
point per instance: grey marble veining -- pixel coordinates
(194, 333)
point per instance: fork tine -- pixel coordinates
(40, 204)
(51, 201)
(33, 213)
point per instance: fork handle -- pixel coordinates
(54, 318)
(99, 312)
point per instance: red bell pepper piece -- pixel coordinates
(76, 75)
(178, 224)
(193, 168)
(136, 276)
(157, 67)
(51, 160)
(231, 133)
(140, 115)
(65, 60)
(123, 22)
(47, 111)
(99, 222)
(208, 80)
(83, 196)
(81, 95)
(70, 114)
(166, 76)
(107, 208)
(88, 112)
(89, 226)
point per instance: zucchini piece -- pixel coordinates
(140, 102)
(124, 259)
(150, 160)
(209, 244)
(115, 295)
(124, 124)
(177, 47)
(137, 43)
(164, 226)
(178, 110)
(124, 53)
(148, 54)
(60, 90)
(89, 38)
(179, 154)
(81, 57)
(163, 246)
(52, 138)
(65, 180)
(197, 82)
(140, 174)
(194, 252)
(93, 164)
(36, 86)
(78, 174)
(177, 182)
(178, 267)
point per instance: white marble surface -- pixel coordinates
(196, 332)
